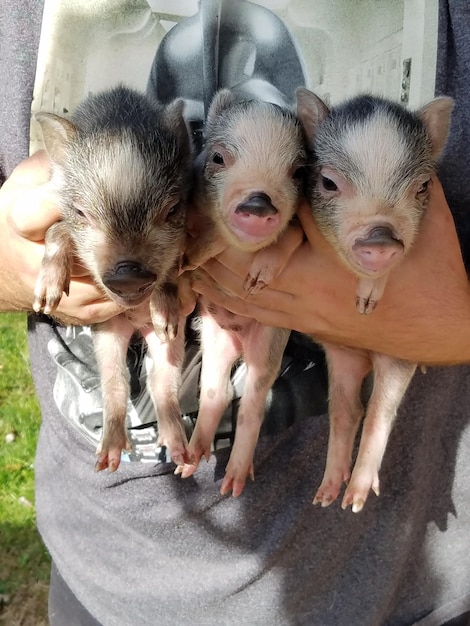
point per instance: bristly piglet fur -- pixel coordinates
(249, 183)
(121, 174)
(373, 162)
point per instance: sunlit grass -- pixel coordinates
(24, 563)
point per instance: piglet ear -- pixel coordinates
(57, 132)
(311, 111)
(221, 100)
(174, 119)
(436, 119)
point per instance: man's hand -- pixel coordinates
(27, 209)
(424, 315)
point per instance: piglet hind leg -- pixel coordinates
(347, 369)
(111, 340)
(263, 349)
(163, 383)
(220, 350)
(391, 379)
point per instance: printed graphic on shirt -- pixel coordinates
(343, 47)
(188, 49)
(77, 393)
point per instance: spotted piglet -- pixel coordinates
(250, 180)
(373, 164)
(121, 174)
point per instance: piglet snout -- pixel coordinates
(129, 280)
(377, 252)
(258, 204)
(256, 218)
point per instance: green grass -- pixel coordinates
(24, 563)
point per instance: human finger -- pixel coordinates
(85, 304)
(272, 312)
(33, 204)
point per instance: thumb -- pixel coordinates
(33, 204)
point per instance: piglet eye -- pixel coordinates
(298, 173)
(423, 187)
(218, 158)
(80, 214)
(173, 210)
(328, 184)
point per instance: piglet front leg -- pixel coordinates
(204, 244)
(54, 274)
(111, 340)
(368, 293)
(165, 309)
(269, 262)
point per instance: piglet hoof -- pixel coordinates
(52, 282)
(371, 304)
(109, 452)
(166, 333)
(361, 304)
(46, 300)
(254, 284)
(325, 497)
(196, 453)
(333, 479)
(180, 455)
(109, 459)
(234, 481)
(165, 315)
(356, 503)
(356, 493)
(164, 328)
(327, 492)
(177, 446)
(365, 306)
(185, 470)
(187, 264)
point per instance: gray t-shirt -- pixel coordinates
(143, 547)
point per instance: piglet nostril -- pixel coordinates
(129, 277)
(380, 236)
(378, 250)
(258, 204)
(129, 268)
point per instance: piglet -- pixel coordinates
(121, 174)
(373, 163)
(250, 180)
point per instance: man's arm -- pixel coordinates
(424, 315)
(26, 211)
